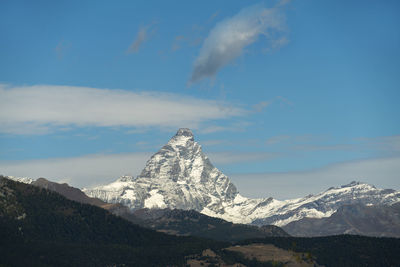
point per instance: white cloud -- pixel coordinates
(381, 172)
(42, 109)
(228, 38)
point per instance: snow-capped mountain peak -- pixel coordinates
(182, 139)
(183, 132)
(180, 176)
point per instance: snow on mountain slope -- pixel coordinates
(326, 203)
(180, 176)
(25, 180)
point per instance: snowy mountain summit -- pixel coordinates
(180, 176)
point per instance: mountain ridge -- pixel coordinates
(180, 176)
(42, 228)
(355, 219)
(176, 222)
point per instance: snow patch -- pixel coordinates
(25, 180)
(155, 200)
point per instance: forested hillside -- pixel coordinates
(40, 227)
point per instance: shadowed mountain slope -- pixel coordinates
(190, 222)
(352, 219)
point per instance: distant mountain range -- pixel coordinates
(180, 176)
(381, 220)
(39, 227)
(357, 219)
(353, 219)
(176, 222)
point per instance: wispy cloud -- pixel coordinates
(228, 38)
(43, 109)
(61, 49)
(380, 146)
(212, 17)
(80, 171)
(384, 144)
(89, 170)
(239, 126)
(381, 172)
(261, 106)
(334, 147)
(214, 142)
(142, 36)
(278, 139)
(282, 101)
(176, 45)
(229, 157)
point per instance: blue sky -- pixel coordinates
(286, 97)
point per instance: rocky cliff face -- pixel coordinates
(180, 176)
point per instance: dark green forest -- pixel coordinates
(193, 223)
(341, 250)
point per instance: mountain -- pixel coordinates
(25, 180)
(326, 203)
(176, 222)
(76, 194)
(68, 192)
(180, 176)
(39, 227)
(352, 219)
(357, 219)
